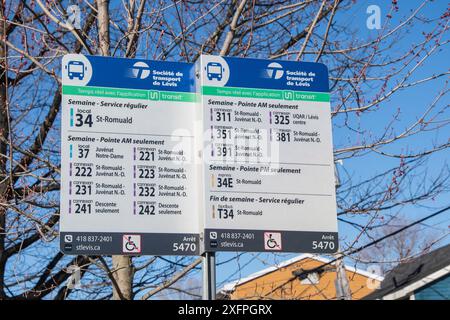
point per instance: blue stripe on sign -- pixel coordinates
(142, 74)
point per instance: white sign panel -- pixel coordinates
(268, 171)
(127, 171)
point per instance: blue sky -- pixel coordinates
(411, 103)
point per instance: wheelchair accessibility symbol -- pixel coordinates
(131, 243)
(272, 241)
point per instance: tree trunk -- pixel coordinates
(123, 274)
(103, 26)
(122, 267)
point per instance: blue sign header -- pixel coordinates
(143, 74)
(264, 74)
(98, 71)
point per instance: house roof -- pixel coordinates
(408, 273)
(229, 287)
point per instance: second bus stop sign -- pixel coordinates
(268, 170)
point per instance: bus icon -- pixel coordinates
(76, 70)
(214, 71)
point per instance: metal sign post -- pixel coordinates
(209, 276)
